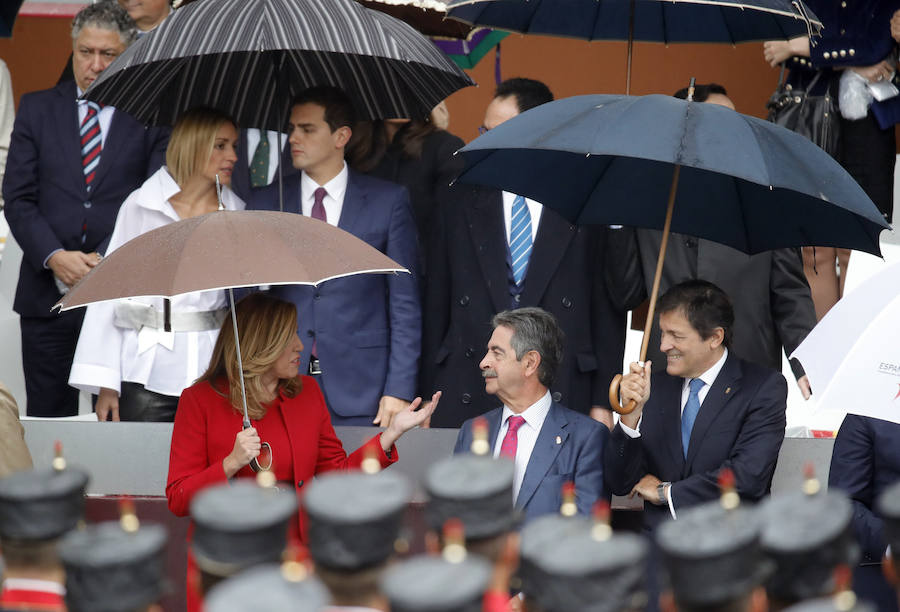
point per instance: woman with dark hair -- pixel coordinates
(139, 354)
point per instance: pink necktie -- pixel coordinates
(511, 439)
(318, 209)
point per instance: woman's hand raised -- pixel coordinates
(412, 416)
(246, 448)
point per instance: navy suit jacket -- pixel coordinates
(569, 448)
(46, 198)
(740, 425)
(367, 327)
(865, 461)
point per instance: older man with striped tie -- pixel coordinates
(494, 250)
(71, 164)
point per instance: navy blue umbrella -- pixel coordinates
(8, 11)
(726, 177)
(666, 21)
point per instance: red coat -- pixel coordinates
(204, 432)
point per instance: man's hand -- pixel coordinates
(635, 386)
(107, 406)
(388, 407)
(777, 51)
(407, 419)
(71, 266)
(805, 389)
(881, 71)
(604, 415)
(895, 26)
(646, 489)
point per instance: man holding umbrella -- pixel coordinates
(361, 335)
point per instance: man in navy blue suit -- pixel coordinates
(71, 165)
(361, 334)
(550, 444)
(709, 410)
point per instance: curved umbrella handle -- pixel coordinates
(614, 397)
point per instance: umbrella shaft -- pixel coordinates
(237, 348)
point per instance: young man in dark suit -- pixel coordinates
(709, 410)
(549, 444)
(71, 165)
(361, 334)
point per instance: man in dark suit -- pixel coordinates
(550, 444)
(708, 411)
(361, 334)
(71, 165)
(258, 162)
(473, 275)
(864, 463)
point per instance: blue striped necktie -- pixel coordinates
(91, 143)
(520, 239)
(689, 415)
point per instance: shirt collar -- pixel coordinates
(534, 415)
(709, 377)
(336, 187)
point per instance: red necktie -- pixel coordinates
(91, 142)
(511, 439)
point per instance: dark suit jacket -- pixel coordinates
(45, 193)
(578, 458)
(769, 292)
(469, 281)
(865, 461)
(740, 425)
(240, 178)
(368, 326)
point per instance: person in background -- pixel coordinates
(125, 354)
(71, 165)
(14, 455)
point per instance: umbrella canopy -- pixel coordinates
(250, 59)
(8, 11)
(663, 21)
(744, 182)
(427, 16)
(852, 357)
(228, 249)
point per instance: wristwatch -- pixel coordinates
(661, 491)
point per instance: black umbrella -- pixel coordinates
(666, 21)
(8, 11)
(250, 58)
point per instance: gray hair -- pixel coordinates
(534, 329)
(106, 15)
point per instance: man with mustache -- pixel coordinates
(549, 444)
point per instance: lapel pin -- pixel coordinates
(727, 390)
(558, 440)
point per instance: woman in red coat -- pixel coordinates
(287, 411)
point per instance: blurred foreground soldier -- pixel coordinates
(709, 410)
(354, 522)
(237, 526)
(455, 582)
(713, 557)
(889, 508)
(36, 508)
(116, 566)
(845, 601)
(808, 536)
(573, 563)
(269, 588)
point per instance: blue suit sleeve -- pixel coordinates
(853, 471)
(623, 461)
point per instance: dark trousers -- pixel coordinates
(48, 348)
(138, 404)
(869, 153)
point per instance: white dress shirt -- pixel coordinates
(253, 135)
(164, 362)
(535, 208)
(708, 377)
(333, 202)
(527, 436)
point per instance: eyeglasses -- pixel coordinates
(263, 461)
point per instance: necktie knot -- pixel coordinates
(695, 386)
(515, 422)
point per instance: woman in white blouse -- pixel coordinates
(125, 353)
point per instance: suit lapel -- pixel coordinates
(493, 419)
(68, 128)
(544, 454)
(725, 387)
(353, 218)
(485, 220)
(111, 143)
(553, 237)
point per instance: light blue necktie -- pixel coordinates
(689, 415)
(520, 238)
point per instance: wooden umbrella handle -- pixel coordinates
(651, 311)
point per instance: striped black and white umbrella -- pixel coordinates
(249, 58)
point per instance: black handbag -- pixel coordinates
(815, 117)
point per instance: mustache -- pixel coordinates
(489, 373)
